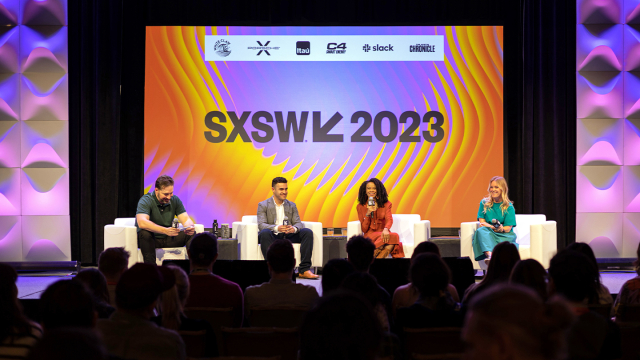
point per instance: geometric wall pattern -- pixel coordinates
(608, 126)
(34, 131)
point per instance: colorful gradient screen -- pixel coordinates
(227, 109)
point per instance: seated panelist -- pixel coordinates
(155, 217)
(495, 206)
(278, 218)
(376, 219)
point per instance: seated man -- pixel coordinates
(272, 214)
(207, 289)
(112, 263)
(154, 217)
(129, 334)
(280, 290)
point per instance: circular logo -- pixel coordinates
(222, 47)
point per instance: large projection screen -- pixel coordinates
(227, 109)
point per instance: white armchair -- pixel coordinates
(411, 229)
(537, 239)
(246, 231)
(123, 234)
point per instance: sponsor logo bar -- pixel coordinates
(325, 48)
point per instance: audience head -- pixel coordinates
(333, 272)
(426, 247)
(531, 274)
(203, 250)
(504, 257)
(280, 256)
(95, 282)
(373, 188)
(340, 326)
(69, 343)
(364, 285)
(172, 301)
(430, 275)
(139, 287)
(572, 275)
(67, 303)
(360, 252)
(112, 262)
(13, 320)
(511, 321)
(585, 249)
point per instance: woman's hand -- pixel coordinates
(385, 235)
(371, 209)
(500, 229)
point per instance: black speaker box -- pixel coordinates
(392, 273)
(242, 272)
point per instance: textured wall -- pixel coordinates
(34, 136)
(608, 128)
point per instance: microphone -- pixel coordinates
(285, 222)
(371, 202)
(496, 223)
(175, 223)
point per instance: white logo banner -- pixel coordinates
(324, 48)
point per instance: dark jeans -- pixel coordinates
(304, 237)
(147, 242)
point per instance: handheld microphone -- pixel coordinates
(496, 223)
(285, 222)
(175, 223)
(371, 202)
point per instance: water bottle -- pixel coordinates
(215, 227)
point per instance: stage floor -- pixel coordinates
(31, 286)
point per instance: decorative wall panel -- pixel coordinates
(608, 126)
(34, 131)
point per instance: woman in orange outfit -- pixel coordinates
(376, 219)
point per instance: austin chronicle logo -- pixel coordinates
(263, 48)
(303, 48)
(222, 47)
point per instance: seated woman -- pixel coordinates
(495, 206)
(376, 219)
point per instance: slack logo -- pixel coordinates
(303, 48)
(368, 48)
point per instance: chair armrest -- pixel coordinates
(316, 254)
(421, 232)
(199, 228)
(467, 229)
(353, 228)
(122, 236)
(544, 242)
(247, 235)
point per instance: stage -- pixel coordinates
(32, 286)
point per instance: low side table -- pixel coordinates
(333, 247)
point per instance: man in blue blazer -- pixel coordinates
(278, 219)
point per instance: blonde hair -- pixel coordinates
(172, 301)
(488, 200)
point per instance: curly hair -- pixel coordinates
(381, 192)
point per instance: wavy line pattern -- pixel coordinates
(442, 182)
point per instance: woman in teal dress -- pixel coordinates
(496, 205)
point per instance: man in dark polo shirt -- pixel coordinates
(154, 217)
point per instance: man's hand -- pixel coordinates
(189, 230)
(282, 229)
(171, 231)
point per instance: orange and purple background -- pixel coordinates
(443, 181)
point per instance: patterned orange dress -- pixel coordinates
(372, 228)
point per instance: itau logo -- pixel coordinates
(303, 48)
(366, 48)
(263, 48)
(222, 47)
